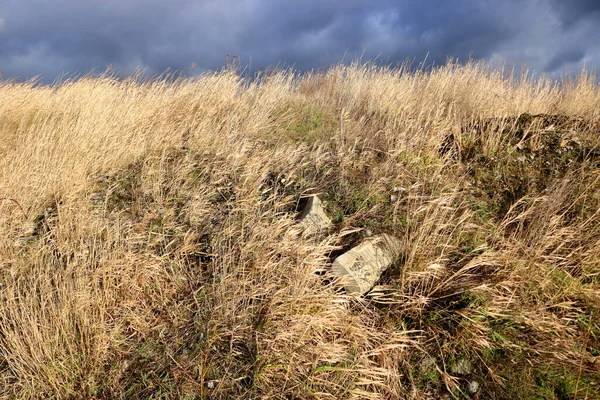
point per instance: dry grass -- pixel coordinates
(162, 259)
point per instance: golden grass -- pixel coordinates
(163, 259)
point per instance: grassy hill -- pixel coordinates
(149, 247)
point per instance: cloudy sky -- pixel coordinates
(50, 37)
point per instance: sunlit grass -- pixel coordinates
(149, 247)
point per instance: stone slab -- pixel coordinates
(361, 267)
(313, 217)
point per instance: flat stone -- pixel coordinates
(29, 229)
(25, 240)
(361, 267)
(313, 217)
(98, 196)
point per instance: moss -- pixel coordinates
(550, 383)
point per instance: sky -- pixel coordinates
(50, 38)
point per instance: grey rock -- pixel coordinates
(98, 196)
(473, 387)
(361, 267)
(427, 363)
(25, 240)
(28, 229)
(313, 217)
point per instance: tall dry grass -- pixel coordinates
(162, 259)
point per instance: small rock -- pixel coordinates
(393, 198)
(462, 367)
(361, 267)
(427, 363)
(25, 240)
(28, 229)
(98, 178)
(98, 196)
(313, 217)
(369, 232)
(473, 387)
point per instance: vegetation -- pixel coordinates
(149, 247)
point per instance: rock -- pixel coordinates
(362, 266)
(393, 198)
(462, 367)
(427, 363)
(27, 235)
(313, 217)
(25, 240)
(98, 196)
(473, 387)
(28, 229)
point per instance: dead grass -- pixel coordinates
(149, 248)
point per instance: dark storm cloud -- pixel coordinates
(567, 56)
(74, 36)
(571, 12)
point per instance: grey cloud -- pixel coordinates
(48, 38)
(567, 56)
(573, 11)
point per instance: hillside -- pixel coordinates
(150, 247)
